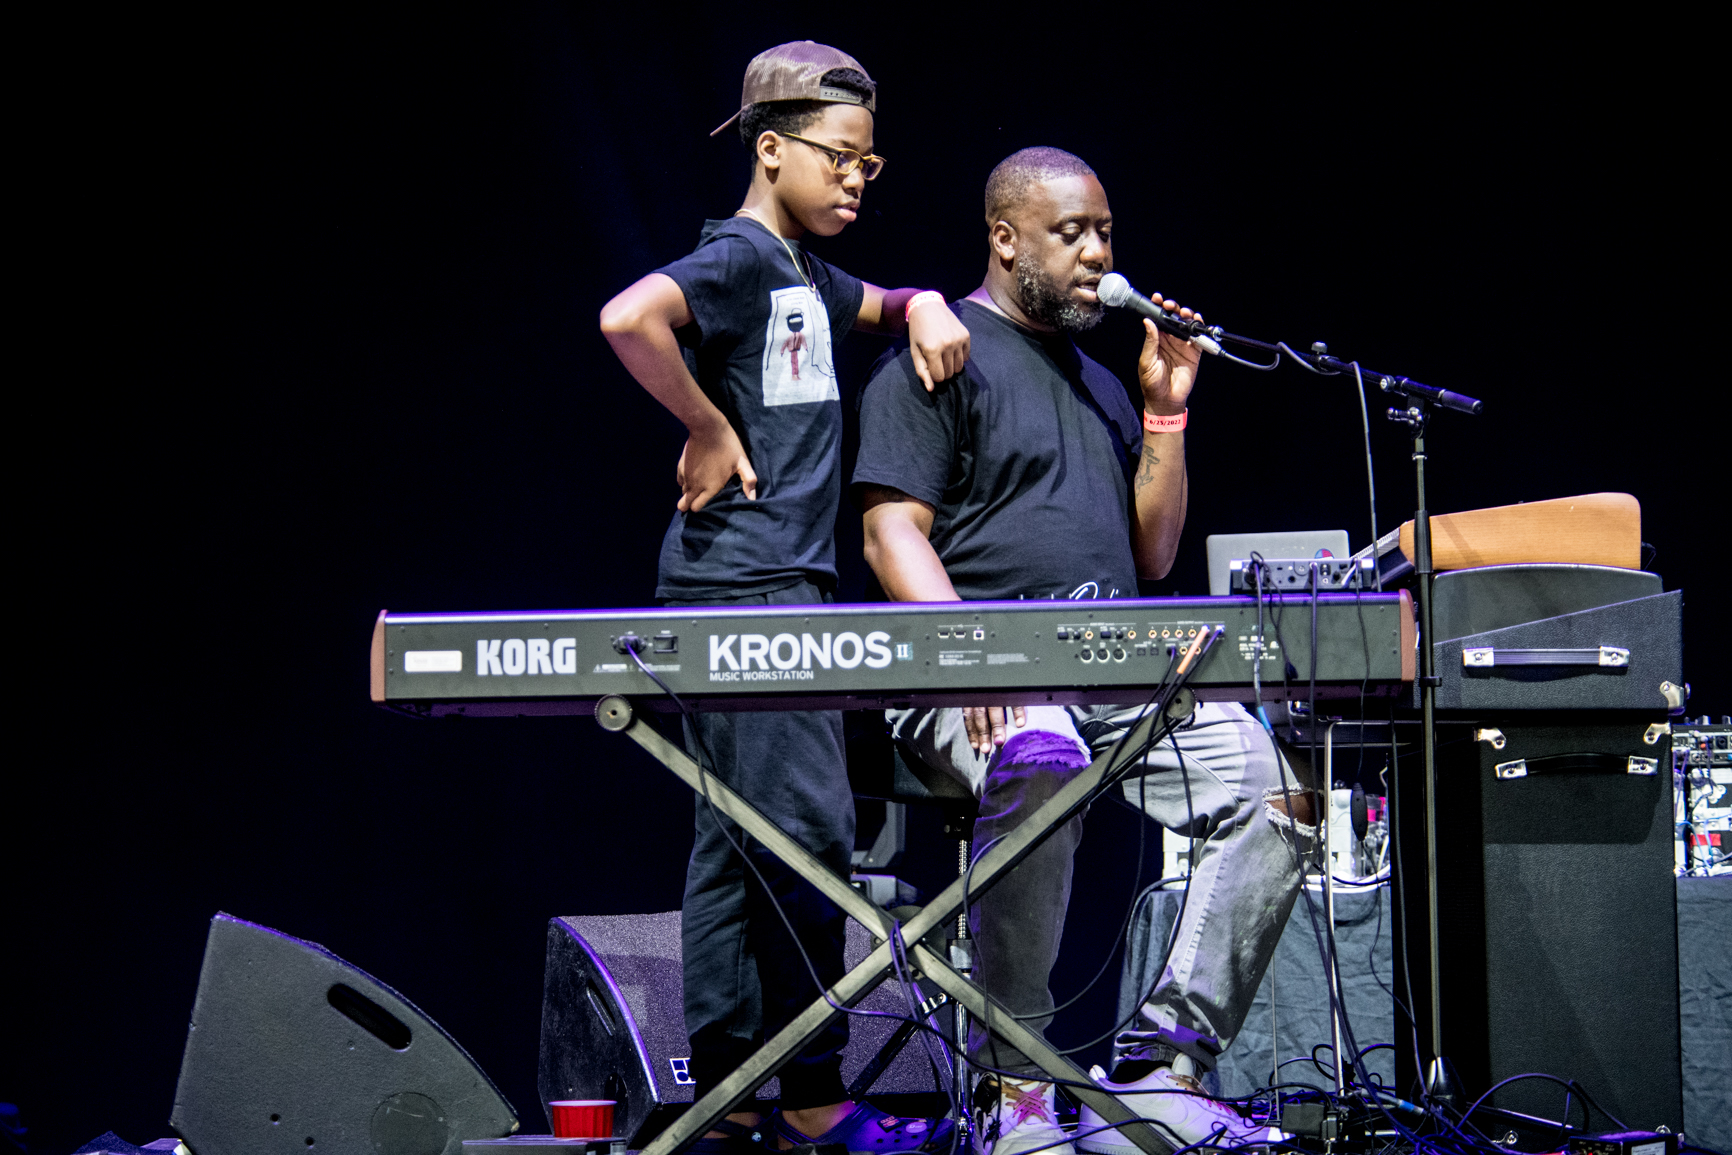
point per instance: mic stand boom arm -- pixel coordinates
(1322, 363)
(1440, 1079)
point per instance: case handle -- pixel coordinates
(1486, 657)
(1577, 763)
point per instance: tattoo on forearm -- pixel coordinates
(1147, 473)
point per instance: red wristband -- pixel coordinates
(1160, 423)
(919, 299)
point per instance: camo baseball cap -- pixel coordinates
(795, 71)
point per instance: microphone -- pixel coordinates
(1115, 291)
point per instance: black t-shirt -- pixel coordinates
(762, 349)
(1026, 455)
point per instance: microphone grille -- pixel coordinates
(1113, 290)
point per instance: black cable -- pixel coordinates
(703, 783)
(1332, 972)
(1299, 360)
(1568, 1084)
(1371, 958)
(905, 980)
(1364, 634)
(1111, 778)
(1365, 682)
(1108, 780)
(1332, 961)
(1398, 894)
(1122, 769)
(1279, 602)
(1159, 701)
(1361, 1073)
(1329, 955)
(1321, 852)
(1164, 694)
(1119, 939)
(1259, 566)
(1311, 701)
(1238, 360)
(1184, 900)
(1370, 476)
(1281, 761)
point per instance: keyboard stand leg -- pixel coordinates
(616, 714)
(886, 1055)
(961, 1113)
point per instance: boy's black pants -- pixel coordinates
(744, 977)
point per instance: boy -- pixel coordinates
(737, 341)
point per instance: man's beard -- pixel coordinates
(1045, 301)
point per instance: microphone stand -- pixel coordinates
(1441, 1083)
(1440, 1079)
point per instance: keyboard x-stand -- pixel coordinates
(616, 714)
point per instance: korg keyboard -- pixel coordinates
(895, 655)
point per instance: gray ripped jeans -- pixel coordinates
(1243, 883)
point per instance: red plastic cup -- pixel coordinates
(582, 1118)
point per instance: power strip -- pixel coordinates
(1702, 773)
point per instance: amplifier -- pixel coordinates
(1557, 912)
(878, 656)
(1557, 637)
(613, 1025)
(1625, 656)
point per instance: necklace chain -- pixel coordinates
(804, 279)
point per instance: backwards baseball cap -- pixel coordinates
(795, 71)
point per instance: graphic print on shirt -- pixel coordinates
(797, 365)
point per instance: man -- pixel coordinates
(1029, 475)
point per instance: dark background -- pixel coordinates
(317, 300)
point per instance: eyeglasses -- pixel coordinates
(844, 160)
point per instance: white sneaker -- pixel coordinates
(1180, 1114)
(1021, 1120)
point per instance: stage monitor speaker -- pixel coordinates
(1558, 934)
(291, 1049)
(613, 1022)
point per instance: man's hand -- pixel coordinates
(713, 454)
(938, 342)
(989, 726)
(1167, 368)
(899, 550)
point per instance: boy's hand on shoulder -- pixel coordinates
(938, 342)
(712, 456)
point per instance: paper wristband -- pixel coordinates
(1159, 423)
(919, 299)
